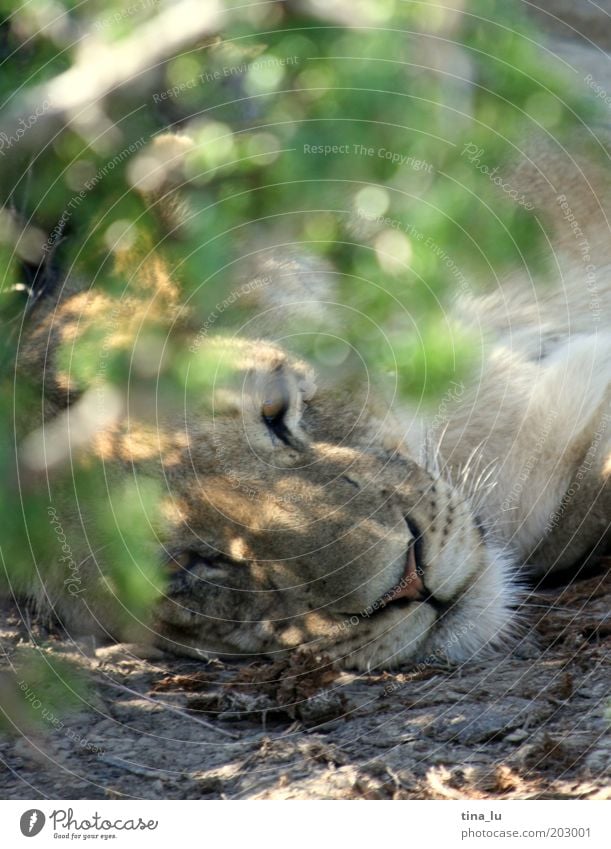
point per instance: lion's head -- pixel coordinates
(294, 515)
(301, 522)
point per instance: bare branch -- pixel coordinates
(107, 67)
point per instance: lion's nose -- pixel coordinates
(411, 585)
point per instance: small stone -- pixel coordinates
(128, 652)
(494, 779)
(517, 736)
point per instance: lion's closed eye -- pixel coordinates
(275, 407)
(189, 567)
(192, 561)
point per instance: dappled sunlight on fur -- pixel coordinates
(294, 511)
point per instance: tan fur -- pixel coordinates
(272, 546)
(538, 411)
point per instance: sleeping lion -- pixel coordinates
(300, 513)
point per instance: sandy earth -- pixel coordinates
(533, 723)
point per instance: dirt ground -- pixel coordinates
(530, 724)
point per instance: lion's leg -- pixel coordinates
(569, 501)
(580, 524)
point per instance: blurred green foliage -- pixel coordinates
(295, 118)
(43, 691)
(341, 131)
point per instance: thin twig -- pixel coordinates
(136, 769)
(168, 707)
